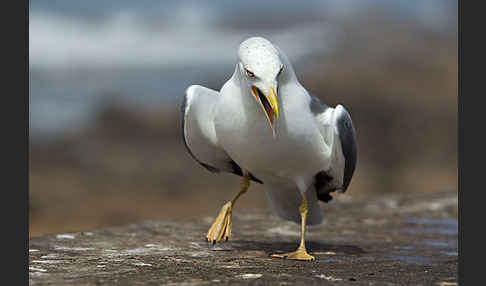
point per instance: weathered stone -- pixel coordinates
(408, 239)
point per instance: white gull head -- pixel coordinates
(259, 67)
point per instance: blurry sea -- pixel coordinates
(83, 54)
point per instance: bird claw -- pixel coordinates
(299, 254)
(221, 227)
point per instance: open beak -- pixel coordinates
(269, 104)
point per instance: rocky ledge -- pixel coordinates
(400, 239)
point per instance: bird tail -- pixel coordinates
(285, 201)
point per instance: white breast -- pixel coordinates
(244, 132)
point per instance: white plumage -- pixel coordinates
(305, 148)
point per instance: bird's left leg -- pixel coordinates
(221, 227)
(301, 252)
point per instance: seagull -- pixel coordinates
(264, 126)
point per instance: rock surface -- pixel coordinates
(404, 239)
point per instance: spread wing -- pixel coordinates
(332, 122)
(198, 132)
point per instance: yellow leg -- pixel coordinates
(221, 227)
(301, 252)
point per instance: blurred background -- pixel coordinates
(107, 79)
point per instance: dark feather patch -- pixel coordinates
(321, 183)
(317, 106)
(347, 135)
(210, 168)
(237, 171)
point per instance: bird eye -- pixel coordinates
(249, 73)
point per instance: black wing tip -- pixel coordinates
(321, 181)
(347, 135)
(237, 171)
(324, 197)
(253, 178)
(208, 167)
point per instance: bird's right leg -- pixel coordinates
(301, 252)
(221, 227)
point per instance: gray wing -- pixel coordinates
(327, 181)
(198, 132)
(349, 145)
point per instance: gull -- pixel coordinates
(264, 126)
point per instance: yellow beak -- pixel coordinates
(272, 98)
(269, 104)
